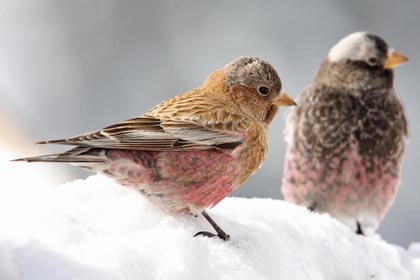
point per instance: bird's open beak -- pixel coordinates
(394, 59)
(284, 100)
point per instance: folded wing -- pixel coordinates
(154, 134)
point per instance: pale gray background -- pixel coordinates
(69, 67)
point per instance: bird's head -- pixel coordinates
(255, 88)
(361, 60)
(366, 49)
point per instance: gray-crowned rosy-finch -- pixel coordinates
(191, 151)
(346, 137)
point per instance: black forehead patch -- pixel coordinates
(380, 44)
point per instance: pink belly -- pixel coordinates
(350, 188)
(177, 182)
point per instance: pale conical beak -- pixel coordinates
(284, 100)
(394, 59)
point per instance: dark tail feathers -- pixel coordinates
(76, 155)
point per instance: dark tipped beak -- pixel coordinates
(394, 59)
(284, 100)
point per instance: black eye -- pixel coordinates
(263, 90)
(372, 60)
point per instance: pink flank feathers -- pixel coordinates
(349, 188)
(179, 183)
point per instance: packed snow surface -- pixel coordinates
(96, 229)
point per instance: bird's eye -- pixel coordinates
(263, 90)
(372, 61)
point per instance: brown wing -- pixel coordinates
(327, 120)
(191, 121)
(152, 134)
(323, 121)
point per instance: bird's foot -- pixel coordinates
(312, 207)
(359, 229)
(222, 235)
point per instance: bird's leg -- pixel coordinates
(359, 229)
(312, 207)
(220, 233)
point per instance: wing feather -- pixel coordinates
(144, 134)
(185, 122)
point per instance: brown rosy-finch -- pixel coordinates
(189, 152)
(346, 137)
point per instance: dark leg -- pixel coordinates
(312, 207)
(220, 233)
(359, 229)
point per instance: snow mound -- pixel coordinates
(95, 229)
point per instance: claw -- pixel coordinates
(224, 237)
(220, 233)
(205, 233)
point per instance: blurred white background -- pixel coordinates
(69, 67)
